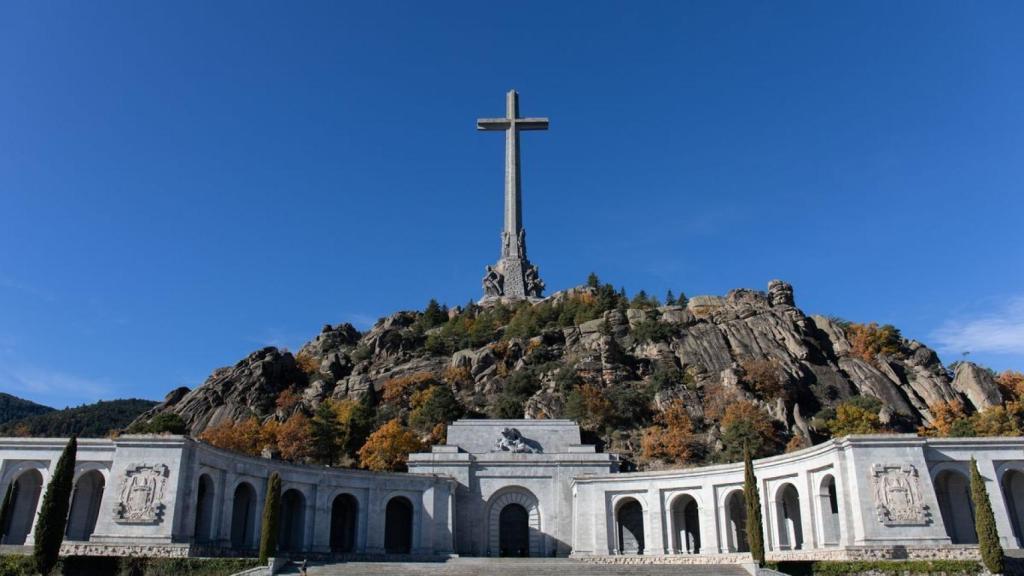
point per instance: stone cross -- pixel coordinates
(514, 276)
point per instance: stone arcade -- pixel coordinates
(525, 488)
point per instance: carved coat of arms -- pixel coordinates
(140, 500)
(897, 492)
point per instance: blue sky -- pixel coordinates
(183, 182)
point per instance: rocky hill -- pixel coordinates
(616, 365)
(14, 408)
(95, 420)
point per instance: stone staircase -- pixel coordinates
(515, 567)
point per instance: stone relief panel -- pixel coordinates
(511, 440)
(897, 493)
(141, 496)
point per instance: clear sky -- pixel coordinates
(184, 182)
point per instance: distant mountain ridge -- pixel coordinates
(97, 420)
(14, 408)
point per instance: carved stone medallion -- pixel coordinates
(897, 492)
(140, 499)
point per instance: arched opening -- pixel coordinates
(514, 531)
(243, 517)
(790, 528)
(293, 521)
(629, 520)
(828, 504)
(1013, 493)
(685, 525)
(953, 491)
(20, 513)
(343, 524)
(85, 506)
(398, 526)
(204, 509)
(736, 522)
(504, 531)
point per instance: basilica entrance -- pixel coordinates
(514, 524)
(514, 531)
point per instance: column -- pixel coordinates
(654, 541)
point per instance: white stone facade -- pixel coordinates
(524, 487)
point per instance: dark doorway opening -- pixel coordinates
(398, 526)
(343, 524)
(514, 531)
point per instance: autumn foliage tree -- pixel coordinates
(245, 436)
(763, 376)
(869, 340)
(746, 426)
(855, 418)
(389, 447)
(671, 438)
(294, 438)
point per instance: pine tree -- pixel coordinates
(755, 529)
(985, 523)
(53, 516)
(271, 510)
(593, 281)
(670, 299)
(324, 431)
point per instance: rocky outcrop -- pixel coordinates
(708, 339)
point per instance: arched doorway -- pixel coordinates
(685, 525)
(21, 510)
(243, 517)
(629, 520)
(828, 504)
(1013, 493)
(736, 522)
(344, 511)
(293, 516)
(504, 533)
(513, 531)
(398, 526)
(790, 527)
(85, 506)
(953, 491)
(204, 509)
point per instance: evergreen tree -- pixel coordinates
(53, 516)
(269, 525)
(670, 299)
(985, 523)
(593, 280)
(361, 424)
(755, 529)
(325, 431)
(434, 315)
(682, 299)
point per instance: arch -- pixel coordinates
(1012, 486)
(344, 511)
(20, 515)
(953, 492)
(205, 494)
(789, 525)
(828, 506)
(293, 521)
(629, 526)
(243, 517)
(85, 506)
(736, 522)
(685, 525)
(398, 526)
(525, 499)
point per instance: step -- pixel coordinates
(515, 567)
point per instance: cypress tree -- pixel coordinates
(53, 516)
(271, 511)
(985, 523)
(5, 510)
(755, 529)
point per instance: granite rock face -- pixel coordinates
(709, 339)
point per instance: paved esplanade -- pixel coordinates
(513, 275)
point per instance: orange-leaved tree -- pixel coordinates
(671, 438)
(388, 448)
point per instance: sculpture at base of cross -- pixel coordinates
(493, 283)
(513, 278)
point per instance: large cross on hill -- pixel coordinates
(513, 276)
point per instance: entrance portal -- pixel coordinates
(514, 531)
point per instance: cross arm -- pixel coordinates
(492, 124)
(532, 123)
